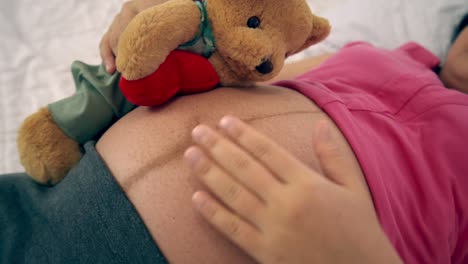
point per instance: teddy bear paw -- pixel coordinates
(46, 153)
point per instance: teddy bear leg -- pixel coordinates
(45, 151)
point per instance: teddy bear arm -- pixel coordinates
(153, 34)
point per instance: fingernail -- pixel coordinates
(108, 68)
(198, 200)
(202, 135)
(198, 133)
(193, 156)
(230, 125)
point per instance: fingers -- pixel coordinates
(109, 43)
(107, 55)
(239, 199)
(336, 159)
(236, 162)
(284, 165)
(234, 228)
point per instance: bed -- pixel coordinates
(40, 39)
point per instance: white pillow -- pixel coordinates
(389, 23)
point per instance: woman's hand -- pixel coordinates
(110, 40)
(277, 209)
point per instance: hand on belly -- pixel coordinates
(144, 152)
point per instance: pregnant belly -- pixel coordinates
(144, 152)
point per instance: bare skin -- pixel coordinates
(455, 71)
(266, 206)
(109, 43)
(293, 70)
(280, 211)
(148, 161)
(110, 40)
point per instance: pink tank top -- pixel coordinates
(410, 135)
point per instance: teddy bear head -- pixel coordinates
(245, 40)
(253, 38)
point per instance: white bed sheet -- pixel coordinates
(40, 39)
(390, 23)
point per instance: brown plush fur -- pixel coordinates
(46, 152)
(287, 27)
(153, 34)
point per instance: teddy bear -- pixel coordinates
(178, 47)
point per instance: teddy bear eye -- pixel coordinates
(253, 22)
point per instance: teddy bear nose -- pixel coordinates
(265, 68)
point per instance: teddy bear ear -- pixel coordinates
(320, 30)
